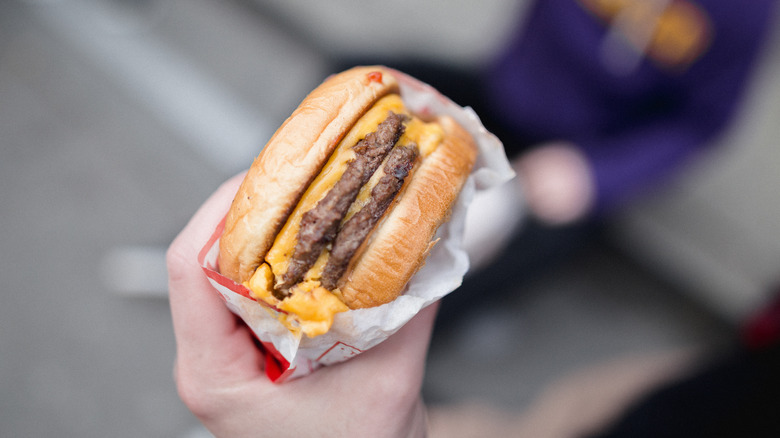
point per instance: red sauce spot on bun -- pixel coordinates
(375, 76)
(338, 139)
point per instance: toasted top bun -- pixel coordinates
(278, 178)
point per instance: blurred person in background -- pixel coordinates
(596, 102)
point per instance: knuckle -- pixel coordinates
(176, 261)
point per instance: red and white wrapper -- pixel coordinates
(289, 355)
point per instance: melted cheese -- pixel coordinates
(261, 284)
(315, 306)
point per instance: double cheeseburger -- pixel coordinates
(340, 208)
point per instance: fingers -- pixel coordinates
(211, 339)
(404, 353)
(413, 338)
(208, 335)
(385, 380)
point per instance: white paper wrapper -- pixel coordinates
(291, 356)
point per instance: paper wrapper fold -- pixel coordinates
(290, 356)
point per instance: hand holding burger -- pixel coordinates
(219, 369)
(341, 207)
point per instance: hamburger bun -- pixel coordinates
(304, 160)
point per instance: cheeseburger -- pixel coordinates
(342, 205)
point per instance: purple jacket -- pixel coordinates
(636, 114)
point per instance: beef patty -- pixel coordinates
(357, 228)
(320, 225)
